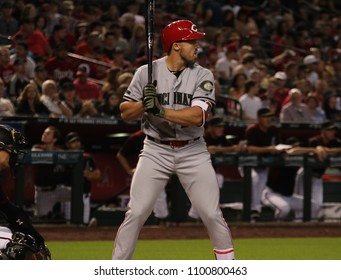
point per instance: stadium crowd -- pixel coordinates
(76, 58)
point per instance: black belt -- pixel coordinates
(173, 143)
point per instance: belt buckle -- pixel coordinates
(172, 144)
(177, 144)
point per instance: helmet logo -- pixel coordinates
(194, 28)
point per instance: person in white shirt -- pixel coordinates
(21, 51)
(224, 66)
(50, 98)
(295, 110)
(249, 102)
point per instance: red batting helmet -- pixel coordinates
(180, 30)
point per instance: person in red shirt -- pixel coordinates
(37, 42)
(61, 65)
(86, 48)
(86, 89)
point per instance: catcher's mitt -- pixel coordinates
(24, 247)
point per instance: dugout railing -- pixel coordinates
(245, 161)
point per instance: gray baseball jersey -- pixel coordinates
(193, 84)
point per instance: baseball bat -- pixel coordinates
(150, 36)
(88, 59)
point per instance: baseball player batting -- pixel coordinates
(174, 109)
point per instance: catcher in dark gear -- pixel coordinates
(26, 242)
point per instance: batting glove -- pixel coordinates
(150, 102)
(149, 90)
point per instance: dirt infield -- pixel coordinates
(189, 231)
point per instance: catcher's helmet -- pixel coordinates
(11, 140)
(180, 30)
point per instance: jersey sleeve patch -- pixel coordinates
(207, 86)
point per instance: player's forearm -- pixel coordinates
(131, 110)
(262, 150)
(332, 151)
(192, 116)
(217, 149)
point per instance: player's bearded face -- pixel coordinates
(188, 52)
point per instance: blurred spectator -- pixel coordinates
(268, 97)
(21, 51)
(69, 99)
(319, 90)
(90, 172)
(224, 66)
(316, 112)
(295, 111)
(290, 70)
(6, 106)
(40, 23)
(50, 12)
(18, 81)
(59, 36)
(111, 83)
(60, 65)
(253, 40)
(137, 42)
(37, 42)
(187, 10)
(211, 17)
(250, 103)
(110, 42)
(8, 24)
(331, 145)
(117, 40)
(40, 75)
(110, 107)
(219, 42)
(311, 62)
(98, 70)
(123, 81)
(81, 32)
(86, 48)
(244, 23)
(66, 10)
(50, 98)
(237, 86)
(333, 71)
(304, 86)
(29, 103)
(78, 107)
(262, 138)
(120, 61)
(86, 89)
(29, 12)
(331, 107)
(248, 63)
(282, 90)
(128, 23)
(6, 67)
(50, 191)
